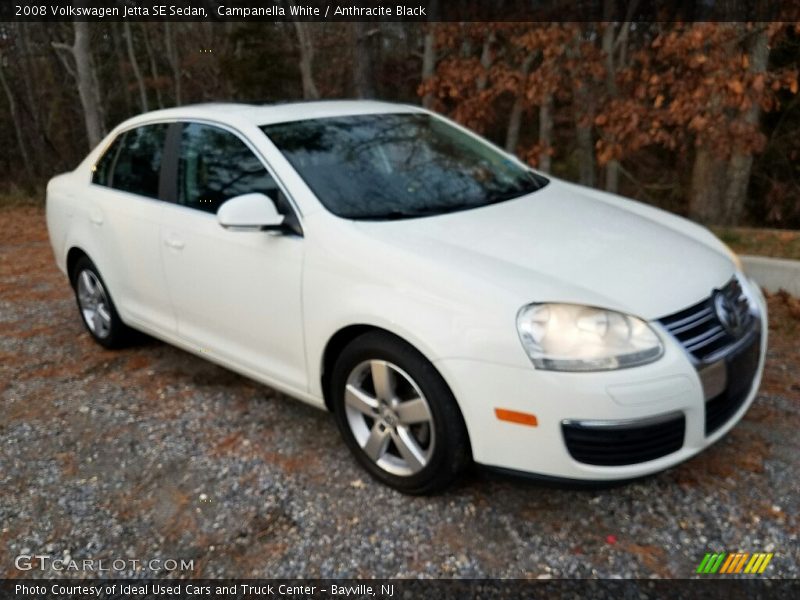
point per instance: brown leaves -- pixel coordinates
(736, 86)
(692, 84)
(758, 83)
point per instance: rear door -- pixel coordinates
(124, 212)
(236, 294)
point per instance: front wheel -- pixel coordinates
(397, 415)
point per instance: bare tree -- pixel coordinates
(486, 60)
(85, 77)
(429, 51)
(709, 173)
(584, 115)
(306, 47)
(28, 76)
(515, 117)
(583, 135)
(741, 162)
(174, 63)
(12, 104)
(120, 58)
(137, 72)
(545, 132)
(153, 65)
(428, 61)
(615, 53)
(363, 68)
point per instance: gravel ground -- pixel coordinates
(151, 452)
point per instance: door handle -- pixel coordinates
(96, 218)
(174, 243)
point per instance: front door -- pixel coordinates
(236, 294)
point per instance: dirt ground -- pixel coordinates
(150, 452)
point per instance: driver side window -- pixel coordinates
(214, 165)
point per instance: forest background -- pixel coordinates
(702, 119)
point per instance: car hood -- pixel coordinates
(567, 243)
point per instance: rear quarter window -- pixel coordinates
(133, 162)
(101, 174)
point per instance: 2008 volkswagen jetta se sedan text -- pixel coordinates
(444, 301)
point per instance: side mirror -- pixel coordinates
(250, 212)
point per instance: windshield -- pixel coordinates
(389, 166)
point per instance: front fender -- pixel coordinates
(443, 315)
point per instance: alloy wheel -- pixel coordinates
(389, 417)
(94, 304)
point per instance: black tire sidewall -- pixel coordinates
(451, 447)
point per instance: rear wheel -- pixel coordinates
(96, 307)
(397, 415)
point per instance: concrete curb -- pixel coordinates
(774, 274)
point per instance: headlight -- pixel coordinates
(570, 337)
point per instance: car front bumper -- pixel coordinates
(634, 410)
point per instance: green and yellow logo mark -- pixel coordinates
(737, 562)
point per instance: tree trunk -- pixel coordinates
(583, 108)
(515, 117)
(514, 124)
(428, 62)
(28, 76)
(306, 65)
(738, 180)
(174, 62)
(741, 162)
(153, 66)
(705, 193)
(135, 67)
(22, 29)
(615, 50)
(486, 61)
(117, 43)
(545, 132)
(612, 166)
(429, 51)
(583, 137)
(612, 176)
(12, 105)
(363, 70)
(88, 86)
(608, 50)
(719, 185)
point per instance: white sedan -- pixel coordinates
(447, 303)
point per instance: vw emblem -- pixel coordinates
(730, 318)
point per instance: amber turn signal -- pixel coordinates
(513, 416)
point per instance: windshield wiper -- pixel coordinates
(397, 214)
(503, 196)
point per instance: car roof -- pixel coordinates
(265, 114)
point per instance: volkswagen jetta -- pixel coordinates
(443, 300)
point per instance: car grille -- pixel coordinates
(741, 370)
(719, 350)
(699, 329)
(626, 443)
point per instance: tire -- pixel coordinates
(397, 415)
(97, 310)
